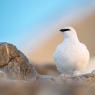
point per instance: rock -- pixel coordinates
(3, 75)
(47, 69)
(48, 85)
(14, 63)
(93, 72)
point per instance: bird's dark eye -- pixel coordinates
(63, 30)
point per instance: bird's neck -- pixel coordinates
(71, 39)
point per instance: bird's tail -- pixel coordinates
(91, 65)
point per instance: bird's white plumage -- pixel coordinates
(71, 55)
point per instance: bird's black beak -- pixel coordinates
(64, 30)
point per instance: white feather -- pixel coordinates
(71, 55)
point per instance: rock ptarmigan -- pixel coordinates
(71, 56)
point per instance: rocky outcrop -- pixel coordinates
(14, 63)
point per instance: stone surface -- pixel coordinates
(14, 63)
(47, 69)
(46, 85)
(3, 75)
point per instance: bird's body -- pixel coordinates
(71, 55)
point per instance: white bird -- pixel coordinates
(71, 56)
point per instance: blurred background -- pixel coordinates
(33, 25)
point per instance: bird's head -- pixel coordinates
(69, 32)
